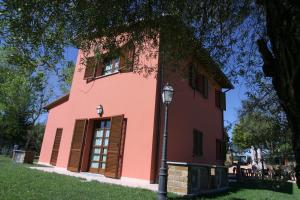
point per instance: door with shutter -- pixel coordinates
(98, 155)
(56, 145)
(114, 147)
(77, 144)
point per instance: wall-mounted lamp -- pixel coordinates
(99, 110)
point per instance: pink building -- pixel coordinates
(125, 141)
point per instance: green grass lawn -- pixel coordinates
(19, 182)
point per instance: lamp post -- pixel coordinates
(167, 96)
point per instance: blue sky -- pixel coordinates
(233, 97)
(233, 103)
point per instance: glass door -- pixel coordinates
(99, 146)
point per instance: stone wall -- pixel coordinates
(193, 179)
(178, 179)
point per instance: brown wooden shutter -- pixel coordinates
(127, 59)
(113, 154)
(223, 150)
(122, 61)
(76, 146)
(197, 143)
(131, 57)
(122, 146)
(200, 83)
(200, 138)
(219, 149)
(99, 69)
(192, 76)
(90, 68)
(222, 101)
(217, 98)
(205, 87)
(56, 145)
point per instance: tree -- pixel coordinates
(257, 129)
(228, 29)
(66, 77)
(23, 95)
(262, 120)
(35, 137)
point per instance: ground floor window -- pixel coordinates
(197, 143)
(220, 149)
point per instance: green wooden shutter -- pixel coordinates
(77, 144)
(114, 147)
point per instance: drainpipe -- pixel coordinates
(160, 86)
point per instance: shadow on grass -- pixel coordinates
(275, 186)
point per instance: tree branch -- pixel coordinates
(267, 57)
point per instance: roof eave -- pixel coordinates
(57, 102)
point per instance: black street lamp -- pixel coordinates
(167, 96)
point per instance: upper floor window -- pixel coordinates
(111, 66)
(198, 81)
(220, 99)
(123, 63)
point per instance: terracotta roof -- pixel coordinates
(57, 102)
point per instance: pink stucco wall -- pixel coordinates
(190, 110)
(131, 94)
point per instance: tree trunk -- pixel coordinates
(282, 62)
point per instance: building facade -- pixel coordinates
(125, 141)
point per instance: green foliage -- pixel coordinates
(23, 93)
(41, 29)
(67, 77)
(254, 129)
(262, 121)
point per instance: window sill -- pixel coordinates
(102, 76)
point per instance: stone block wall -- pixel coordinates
(193, 179)
(178, 179)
